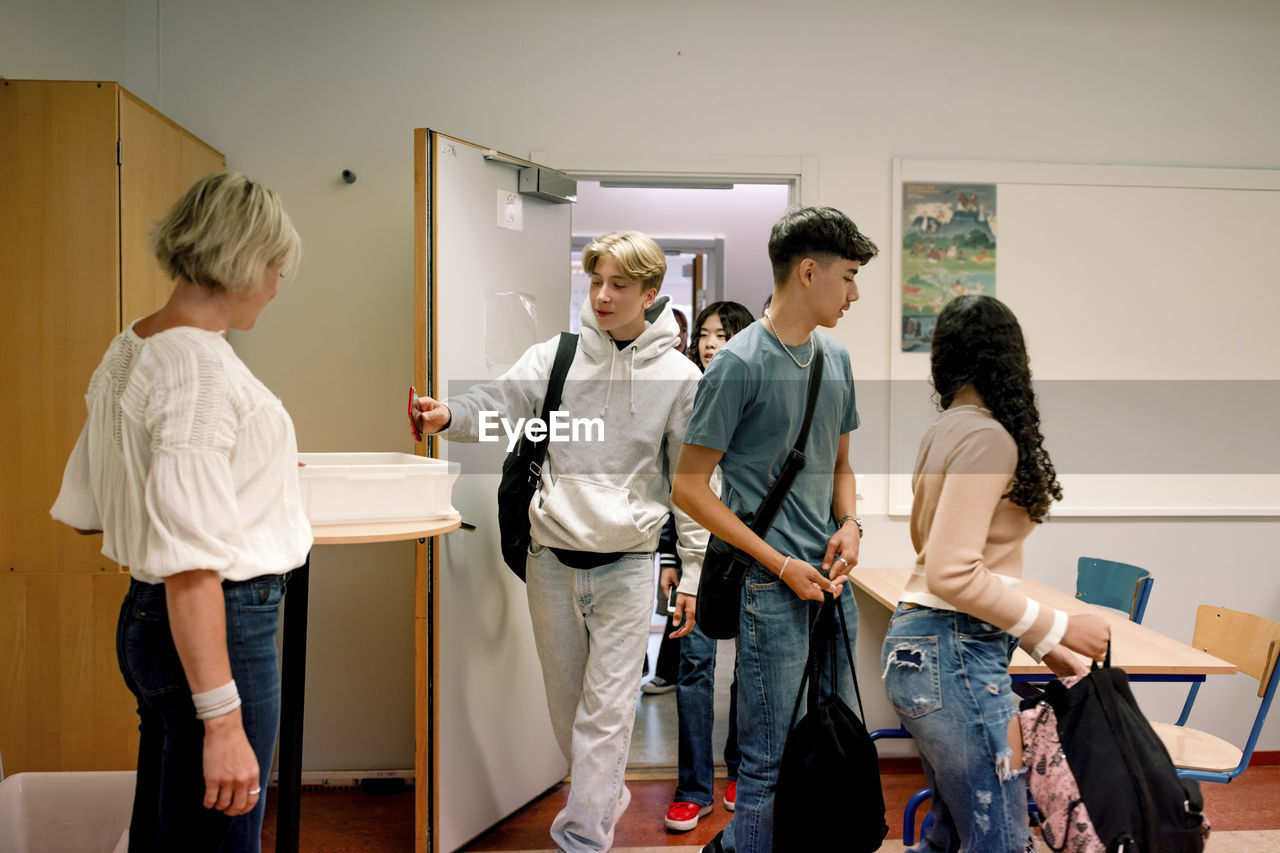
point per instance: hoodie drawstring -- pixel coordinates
(608, 386)
(632, 379)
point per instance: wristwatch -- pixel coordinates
(855, 519)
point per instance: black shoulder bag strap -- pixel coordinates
(796, 458)
(555, 387)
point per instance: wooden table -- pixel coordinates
(1143, 653)
(293, 664)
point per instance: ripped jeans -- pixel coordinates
(947, 675)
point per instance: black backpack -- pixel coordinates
(1098, 770)
(828, 752)
(522, 469)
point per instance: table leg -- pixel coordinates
(293, 677)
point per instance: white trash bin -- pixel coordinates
(62, 812)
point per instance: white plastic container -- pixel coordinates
(85, 812)
(341, 488)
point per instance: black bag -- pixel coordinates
(723, 565)
(1101, 776)
(522, 469)
(828, 751)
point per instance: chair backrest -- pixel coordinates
(1116, 585)
(1250, 642)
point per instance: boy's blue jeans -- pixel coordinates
(773, 647)
(695, 710)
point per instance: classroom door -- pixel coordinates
(490, 280)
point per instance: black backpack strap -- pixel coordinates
(796, 458)
(555, 387)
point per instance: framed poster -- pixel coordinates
(948, 248)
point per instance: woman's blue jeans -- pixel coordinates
(695, 710)
(168, 801)
(773, 647)
(947, 675)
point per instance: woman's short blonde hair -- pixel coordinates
(640, 258)
(224, 232)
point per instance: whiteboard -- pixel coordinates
(498, 282)
(1148, 297)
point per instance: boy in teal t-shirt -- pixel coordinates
(746, 418)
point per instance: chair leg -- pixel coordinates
(909, 816)
(924, 794)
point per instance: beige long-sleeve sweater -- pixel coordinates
(968, 537)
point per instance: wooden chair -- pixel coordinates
(1119, 586)
(1250, 642)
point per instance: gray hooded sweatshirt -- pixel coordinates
(613, 494)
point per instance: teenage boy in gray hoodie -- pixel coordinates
(597, 516)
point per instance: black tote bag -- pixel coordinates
(828, 751)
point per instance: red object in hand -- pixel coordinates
(415, 430)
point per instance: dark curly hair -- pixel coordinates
(978, 341)
(734, 317)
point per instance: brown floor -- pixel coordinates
(350, 821)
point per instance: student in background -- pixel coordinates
(682, 340)
(188, 466)
(597, 516)
(982, 482)
(666, 668)
(695, 689)
(748, 412)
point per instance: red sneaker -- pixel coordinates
(683, 817)
(730, 795)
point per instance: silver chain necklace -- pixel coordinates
(786, 348)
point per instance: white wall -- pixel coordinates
(293, 92)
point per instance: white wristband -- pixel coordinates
(1053, 637)
(216, 702)
(783, 570)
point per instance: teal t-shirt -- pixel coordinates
(750, 405)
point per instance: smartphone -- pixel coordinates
(671, 600)
(415, 430)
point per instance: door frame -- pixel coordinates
(689, 170)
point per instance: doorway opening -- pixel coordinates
(715, 234)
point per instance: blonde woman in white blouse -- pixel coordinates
(187, 465)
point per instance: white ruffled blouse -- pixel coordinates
(186, 462)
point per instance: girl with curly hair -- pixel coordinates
(983, 480)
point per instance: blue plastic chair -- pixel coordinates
(1250, 642)
(1107, 583)
(1119, 586)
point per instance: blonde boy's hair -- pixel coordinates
(640, 258)
(224, 232)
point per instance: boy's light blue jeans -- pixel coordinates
(947, 675)
(591, 627)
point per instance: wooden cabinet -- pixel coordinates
(87, 168)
